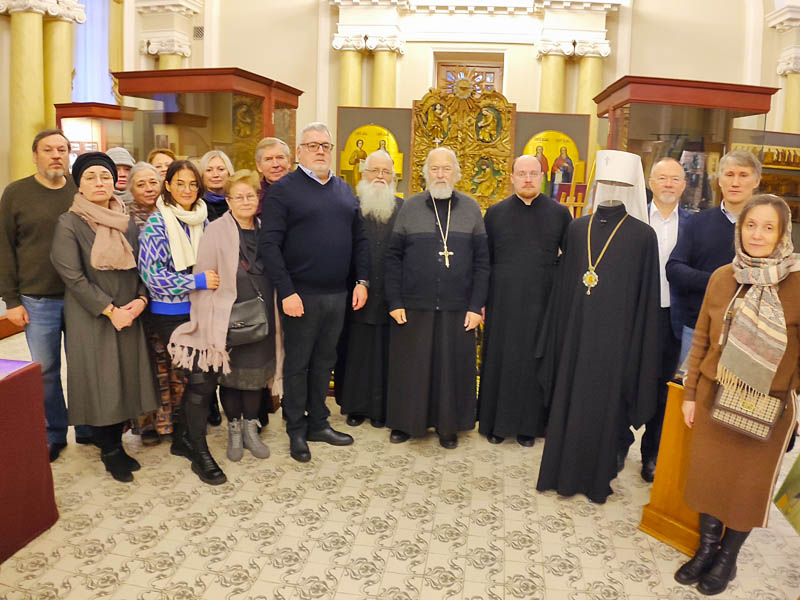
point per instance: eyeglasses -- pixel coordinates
(381, 172)
(182, 185)
(524, 176)
(442, 170)
(251, 197)
(665, 179)
(314, 146)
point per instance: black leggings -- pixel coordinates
(108, 437)
(240, 402)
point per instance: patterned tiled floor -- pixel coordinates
(370, 521)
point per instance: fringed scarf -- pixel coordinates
(110, 250)
(182, 249)
(756, 339)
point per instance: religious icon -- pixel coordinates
(487, 125)
(437, 122)
(361, 142)
(564, 165)
(485, 182)
(243, 121)
(559, 158)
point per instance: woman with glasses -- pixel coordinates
(168, 247)
(108, 369)
(230, 246)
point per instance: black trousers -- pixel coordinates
(670, 352)
(310, 343)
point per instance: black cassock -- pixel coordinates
(523, 245)
(600, 356)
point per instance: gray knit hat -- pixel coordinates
(121, 157)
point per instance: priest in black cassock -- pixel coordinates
(366, 361)
(525, 231)
(437, 276)
(601, 354)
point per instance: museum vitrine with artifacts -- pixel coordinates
(690, 121)
(192, 111)
(93, 127)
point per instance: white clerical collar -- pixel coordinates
(311, 174)
(731, 217)
(654, 211)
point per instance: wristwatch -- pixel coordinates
(363, 282)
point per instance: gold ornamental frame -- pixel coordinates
(479, 129)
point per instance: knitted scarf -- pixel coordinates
(214, 198)
(201, 341)
(757, 335)
(182, 249)
(110, 250)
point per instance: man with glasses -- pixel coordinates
(526, 234)
(29, 285)
(361, 377)
(437, 275)
(311, 235)
(667, 218)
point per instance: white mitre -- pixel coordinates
(619, 178)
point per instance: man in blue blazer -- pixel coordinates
(668, 219)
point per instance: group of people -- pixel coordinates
(143, 264)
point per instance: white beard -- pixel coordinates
(377, 199)
(669, 198)
(441, 190)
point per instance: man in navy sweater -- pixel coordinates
(706, 243)
(311, 233)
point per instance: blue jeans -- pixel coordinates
(686, 343)
(43, 335)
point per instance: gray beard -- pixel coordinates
(441, 191)
(53, 174)
(377, 200)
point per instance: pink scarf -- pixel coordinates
(110, 250)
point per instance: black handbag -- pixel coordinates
(248, 321)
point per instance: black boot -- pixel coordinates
(116, 464)
(214, 416)
(710, 534)
(181, 445)
(723, 571)
(196, 415)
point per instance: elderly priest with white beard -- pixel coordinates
(437, 278)
(363, 386)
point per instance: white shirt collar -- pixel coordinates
(654, 211)
(731, 217)
(311, 174)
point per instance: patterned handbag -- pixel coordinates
(751, 415)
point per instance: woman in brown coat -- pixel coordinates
(732, 476)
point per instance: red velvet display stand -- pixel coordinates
(27, 503)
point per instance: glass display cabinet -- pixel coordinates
(92, 126)
(690, 121)
(191, 111)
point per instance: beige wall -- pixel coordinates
(687, 39)
(5, 116)
(277, 43)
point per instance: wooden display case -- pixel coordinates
(92, 126)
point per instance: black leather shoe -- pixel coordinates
(132, 463)
(206, 468)
(448, 441)
(495, 439)
(398, 437)
(710, 534)
(526, 440)
(649, 470)
(329, 436)
(723, 570)
(55, 450)
(621, 456)
(214, 416)
(377, 423)
(355, 420)
(298, 448)
(116, 464)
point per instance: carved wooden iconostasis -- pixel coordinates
(485, 132)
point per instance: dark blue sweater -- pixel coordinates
(705, 244)
(310, 233)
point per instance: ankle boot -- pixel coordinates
(116, 464)
(723, 571)
(196, 415)
(710, 534)
(235, 450)
(181, 446)
(251, 440)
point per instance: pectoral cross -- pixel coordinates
(447, 256)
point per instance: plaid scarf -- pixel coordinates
(756, 338)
